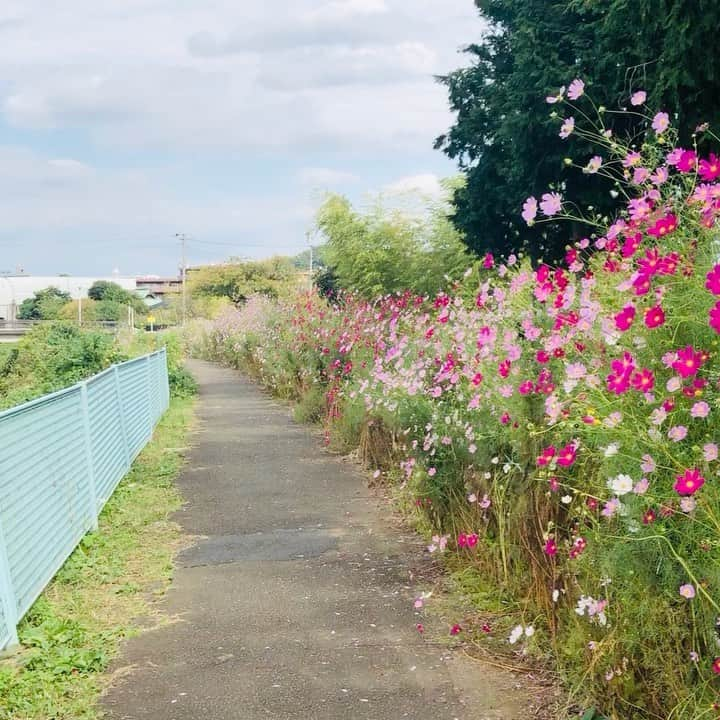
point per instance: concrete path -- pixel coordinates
(294, 602)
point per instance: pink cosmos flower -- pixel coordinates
(610, 507)
(661, 122)
(638, 97)
(677, 433)
(687, 591)
(648, 464)
(660, 175)
(687, 504)
(639, 209)
(551, 204)
(641, 486)
(689, 482)
(455, 629)
(673, 156)
(594, 164)
(658, 416)
(710, 452)
(654, 317)
(700, 410)
(632, 159)
(640, 175)
(551, 547)
(576, 89)
(567, 127)
(552, 99)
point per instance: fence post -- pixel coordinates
(121, 413)
(88, 451)
(7, 595)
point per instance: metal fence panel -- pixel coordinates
(61, 457)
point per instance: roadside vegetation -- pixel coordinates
(56, 355)
(551, 428)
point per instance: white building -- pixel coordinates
(16, 288)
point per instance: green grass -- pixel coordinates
(103, 590)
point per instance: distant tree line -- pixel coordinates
(107, 301)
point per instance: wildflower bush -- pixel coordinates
(556, 427)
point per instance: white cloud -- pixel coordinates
(134, 97)
(325, 178)
(427, 184)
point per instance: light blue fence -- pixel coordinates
(61, 457)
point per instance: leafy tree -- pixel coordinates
(506, 142)
(44, 305)
(113, 300)
(385, 250)
(238, 280)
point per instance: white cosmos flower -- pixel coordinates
(621, 485)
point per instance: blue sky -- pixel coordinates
(122, 123)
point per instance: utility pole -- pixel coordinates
(183, 242)
(79, 306)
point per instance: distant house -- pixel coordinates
(158, 286)
(16, 288)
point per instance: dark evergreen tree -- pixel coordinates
(504, 138)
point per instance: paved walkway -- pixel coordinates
(294, 601)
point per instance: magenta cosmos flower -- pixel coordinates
(712, 280)
(689, 482)
(709, 169)
(566, 456)
(624, 319)
(688, 362)
(714, 315)
(654, 317)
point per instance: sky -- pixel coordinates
(124, 123)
